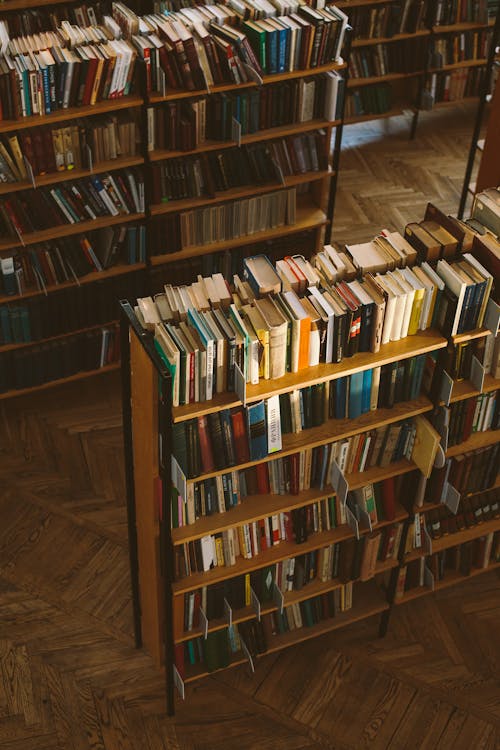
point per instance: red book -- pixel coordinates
(207, 459)
(262, 532)
(388, 543)
(388, 499)
(294, 473)
(240, 436)
(89, 82)
(263, 479)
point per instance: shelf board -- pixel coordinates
(65, 230)
(280, 131)
(12, 5)
(420, 343)
(340, 428)
(459, 27)
(255, 507)
(463, 389)
(247, 191)
(25, 344)
(426, 507)
(89, 278)
(71, 113)
(453, 540)
(72, 174)
(308, 216)
(452, 578)
(476, 440)
(362, 42)
(281, 551)
(454, 102)
(459, 65)
(356, 82)
(394, 112)
(357, 3)
(61, 381)
(477, 333)
(173, 94)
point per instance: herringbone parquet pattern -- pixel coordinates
(70, 678)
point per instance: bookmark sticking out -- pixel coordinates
(203, 622)
(352, 521)
(179, 480)
(446, 388)
(278, 598)
(247, 653)
(451, 497)
(29, 170)
(240, 385)
(255, 603)
(179, 683)
(228, 612)
(339, 482)
(477, 373)
(236, 131)
(252, 74)
(440, 458)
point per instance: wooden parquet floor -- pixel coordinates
(70, 678)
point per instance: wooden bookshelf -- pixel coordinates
(61, 381)
(453, 540)
(463, 389)
(476, 440)
(458, 65)
(366, 42)
(478, 333)
(26, 344)
(393, 112)
(357, 82)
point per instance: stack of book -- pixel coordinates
(473, 471)
(455, 84)
(477, 414)
(446, 14)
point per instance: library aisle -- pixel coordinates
(70, 677)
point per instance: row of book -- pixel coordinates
(476, 554)
(34, 20)
(458, 11)
(385, 21)
(472, 511)
(72, 66)
(469, 45)
(476, 414)
(221, 646)
(65, 310)
(473, 471)
(67, 259)
(71, 202)
(196, 48)
(32, 153)
(350, 560)
(369, 100)
(188, 124)
(254, 164)
(453, 86)
(33, 366)
(382, 59)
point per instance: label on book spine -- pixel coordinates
(179, 682)
(339, 482)
(273, 424)
(240, 385)
(255, 603)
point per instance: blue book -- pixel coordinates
(132, 245)
(367, 391)
(340, 397)
(5, 325)
(355, 395)
(257, 432)
(272, 47)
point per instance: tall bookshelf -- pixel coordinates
(159, 603)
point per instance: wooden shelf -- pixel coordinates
(453, 540)
(25, 344)
(420, 343)
(308, 591)
(455, 102)
(476, 440)
(308, 216)
(459, 27)
(340, 428)
(451, 578)
(459, 65)
(71, 113)
(266, 79)
(248, 191)
(478, 333)
(394, 112)
(12, 5)
(89, 278)
(463, 389)
(356, 82)
(362, 42)
(426, 507)
(66, 230)
(61, 381)
(281, 551)
(121, 162)
(346, 4)
(281, 131)
(255, 507)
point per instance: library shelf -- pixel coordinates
(173, 94)
(356, 82)
(71, 113)
(89, 278)
(11, 5)
(462, 64)
(476, 440)
(281, 551)
(451, 579)
(459, 537)
(454, 102)
(308, 216)
(65, 230)
(420, 343)
(61, 381)
(280, 131)
(26, 344)
(346, 4)
(366, 42)
(394, 112)
(478, 333)
(463, 389)
(121, 162)
(248, 191)
(426, 507)
(458, 28)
